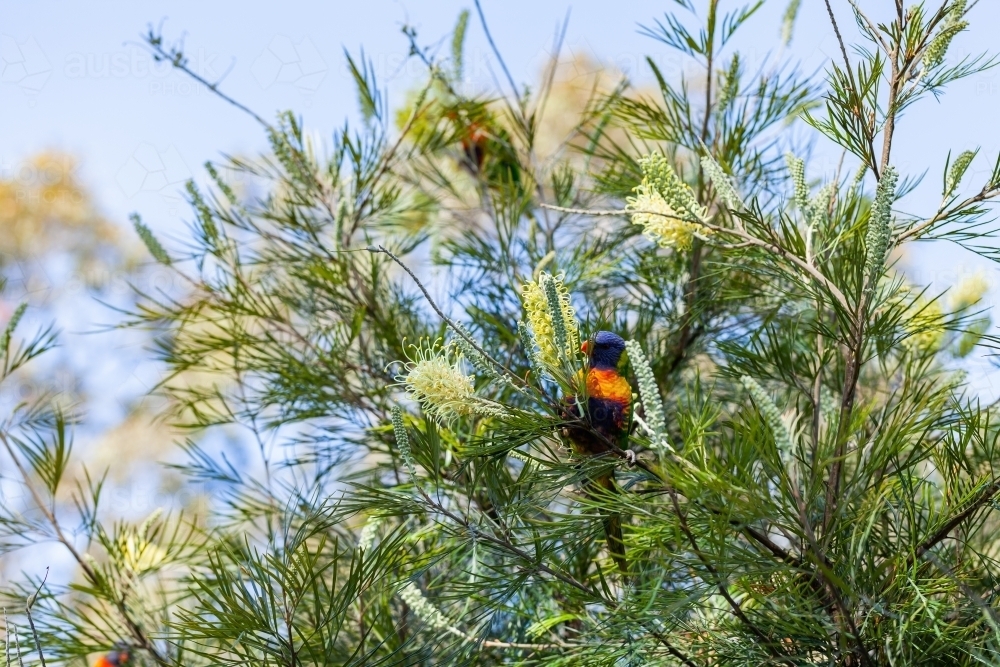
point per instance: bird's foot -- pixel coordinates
(630, 457)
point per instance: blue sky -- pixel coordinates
(75, 78)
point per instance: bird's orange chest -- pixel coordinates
(610, 385)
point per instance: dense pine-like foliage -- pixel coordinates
(393, 324)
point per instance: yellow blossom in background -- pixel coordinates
(968, 292)
(661, 224)
(136, 550)
(925, 325)
(550, 325)
(44, 208)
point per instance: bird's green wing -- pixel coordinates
(625, 370)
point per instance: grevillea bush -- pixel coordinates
(389, 328)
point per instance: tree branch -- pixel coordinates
(939, 535)
(722, 586)
(983, 195)
(748, 238)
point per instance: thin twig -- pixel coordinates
(457, 329)
(177, 60)
(504, 543)
(17, 648)
(496, 52)
(872, 28)
(986, 496)
(856, 102)
(823, 564)
(721, 584)
(6, 638)
(840, 42)
(981, 196)
(31, 621)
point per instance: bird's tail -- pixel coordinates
(616, 543)
(613, 527)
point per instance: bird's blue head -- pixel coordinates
(605, 350)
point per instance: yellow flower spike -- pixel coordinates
(925, 328)
(665, 205)
(553, 327)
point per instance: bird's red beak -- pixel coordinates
(585, 347)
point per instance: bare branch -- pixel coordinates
(447, 320)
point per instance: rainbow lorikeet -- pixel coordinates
(605, 420)
(486, 147)
(474, 140)
(119, 657)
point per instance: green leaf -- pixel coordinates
(458, 44)
(152, 244)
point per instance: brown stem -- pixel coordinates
(748, 239)
(822, 565)
(817, 396)
(986, 496)
(895, 85)
(856, 101)
(852, 372)
(31, 621)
